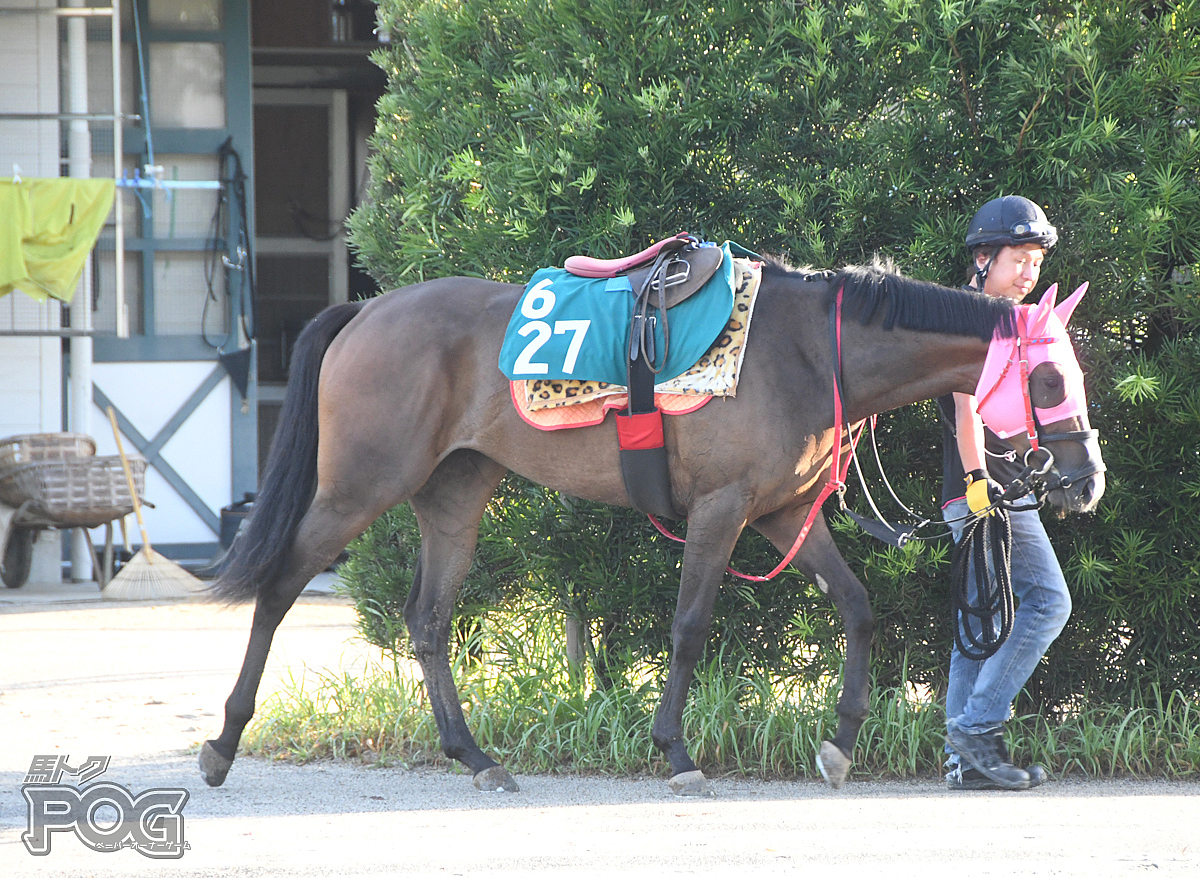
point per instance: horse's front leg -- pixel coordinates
(710, 541)
(819, 558)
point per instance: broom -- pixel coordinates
(148, 575)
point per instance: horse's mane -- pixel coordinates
(870, 291)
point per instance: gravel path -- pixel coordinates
(144, 683)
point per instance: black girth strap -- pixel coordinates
(640, 429)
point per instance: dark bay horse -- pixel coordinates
(400, 399)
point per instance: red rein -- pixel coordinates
(1020, 355)
(837, 469)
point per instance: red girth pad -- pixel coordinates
(639, 432)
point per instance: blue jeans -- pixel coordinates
(980, 694)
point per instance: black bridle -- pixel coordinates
(1093, 465)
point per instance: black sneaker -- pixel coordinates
(987, 754)
(1037, 774)
(967, 779)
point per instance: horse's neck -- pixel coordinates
(884, 370)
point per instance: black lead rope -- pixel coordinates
(985, 539)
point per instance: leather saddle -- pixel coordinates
(685, 267)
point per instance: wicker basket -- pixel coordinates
(33, 447)
(81, 492)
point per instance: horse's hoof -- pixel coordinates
(495, 780)
(833, 764)
(692, 784)
(213, 766)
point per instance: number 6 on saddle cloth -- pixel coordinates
(606, 320)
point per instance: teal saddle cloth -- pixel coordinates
(566, 326)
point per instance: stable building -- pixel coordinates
(241, 130)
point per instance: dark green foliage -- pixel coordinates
(514, 133)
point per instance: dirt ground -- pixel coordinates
(146, 682)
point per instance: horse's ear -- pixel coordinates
(1040, 313)
(1066, 308)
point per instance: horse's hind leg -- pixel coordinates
(322, 535)
(449, 508)
(820, 559)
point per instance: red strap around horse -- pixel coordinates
(837, 468)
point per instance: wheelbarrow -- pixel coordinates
(54, 480)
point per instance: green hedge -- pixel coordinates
(515, 133)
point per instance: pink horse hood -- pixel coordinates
(1043, 338)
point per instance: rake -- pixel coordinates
(148, 575)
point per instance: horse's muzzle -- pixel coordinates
(1080, 488)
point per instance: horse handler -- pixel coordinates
(1008, 238)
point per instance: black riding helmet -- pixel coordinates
(1009, 221)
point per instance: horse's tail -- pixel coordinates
(256, 558)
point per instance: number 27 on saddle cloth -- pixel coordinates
(556, 404)
(571, 327)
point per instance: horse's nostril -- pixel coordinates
(1088, 492)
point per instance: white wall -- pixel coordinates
(149, 395)
(30, 368)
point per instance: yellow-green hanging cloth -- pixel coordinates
(48, 227)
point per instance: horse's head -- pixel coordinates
(1031, 393)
